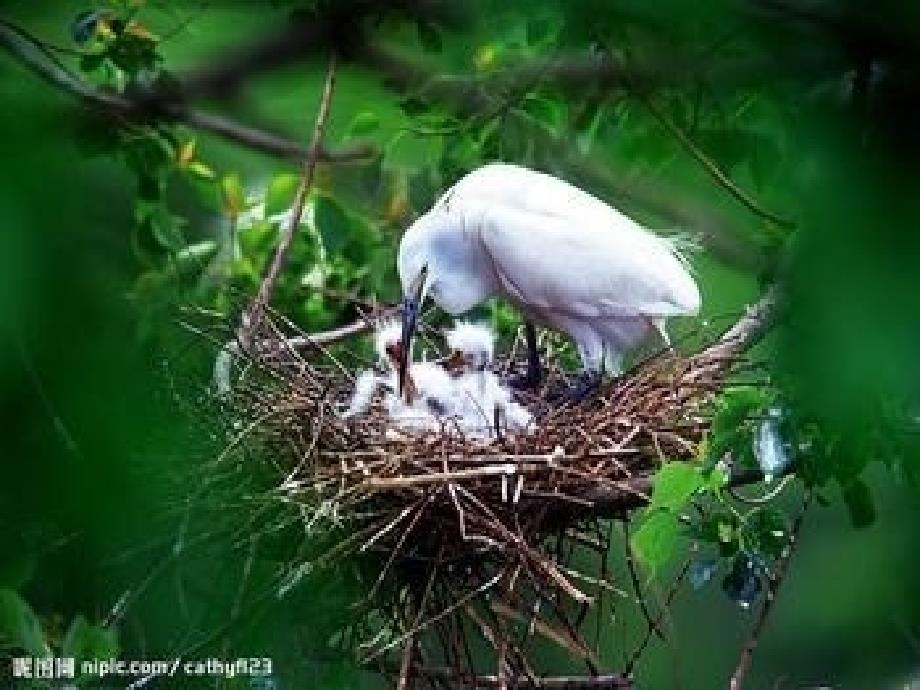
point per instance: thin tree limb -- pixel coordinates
(33, 54)
(710, 166)
(782, 567)
(252, 317)
(610, 681)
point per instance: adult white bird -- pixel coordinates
(565, 258)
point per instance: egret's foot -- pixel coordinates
(587, 385)
(528, 381)
(533, 377)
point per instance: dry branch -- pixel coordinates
(252, 317)
(32, 53)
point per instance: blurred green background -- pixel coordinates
(811, 108)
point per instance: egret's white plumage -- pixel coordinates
(466, 402)
(567, 259)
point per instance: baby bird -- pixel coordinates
(485, 405)
(430, 391)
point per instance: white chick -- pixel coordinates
(386, 342)
(434, 398)
(485, 403)
(432, 393)
(366, 386)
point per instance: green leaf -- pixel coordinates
(656, 539)
(19, 624)
(538, 29)
(233, 195)
(430, 37)
(737, 404)
(720, 529)
(674, 484)
(414, 106)
(765, 532)
(85, 642)
(167, 229)
(331, 222)
(363, 124)
(731, 429)
(280, 193)
(200, 170)
(859, 503)
(90, 62)
(544, 110)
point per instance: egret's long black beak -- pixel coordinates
(410, 308)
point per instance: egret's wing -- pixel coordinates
(585, 260)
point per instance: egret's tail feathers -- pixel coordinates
(682, 246)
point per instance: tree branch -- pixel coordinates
(467, 97)
(710, 166)
(613, 681)
(782, 567)
(32, 53)
(631, 493)
(252, 317)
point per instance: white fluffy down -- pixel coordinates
(470, 403)
(477, 341)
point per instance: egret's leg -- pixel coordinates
(587, 385)
(497, 422)
(534, 374)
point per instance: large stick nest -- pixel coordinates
(472, 537)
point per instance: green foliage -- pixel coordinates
(733, 424)
(772, 99)
(656, 541)
(280, 193)
(675, 484)
(86, 642)
(19, 626)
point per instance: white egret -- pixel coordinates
(565, 258)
